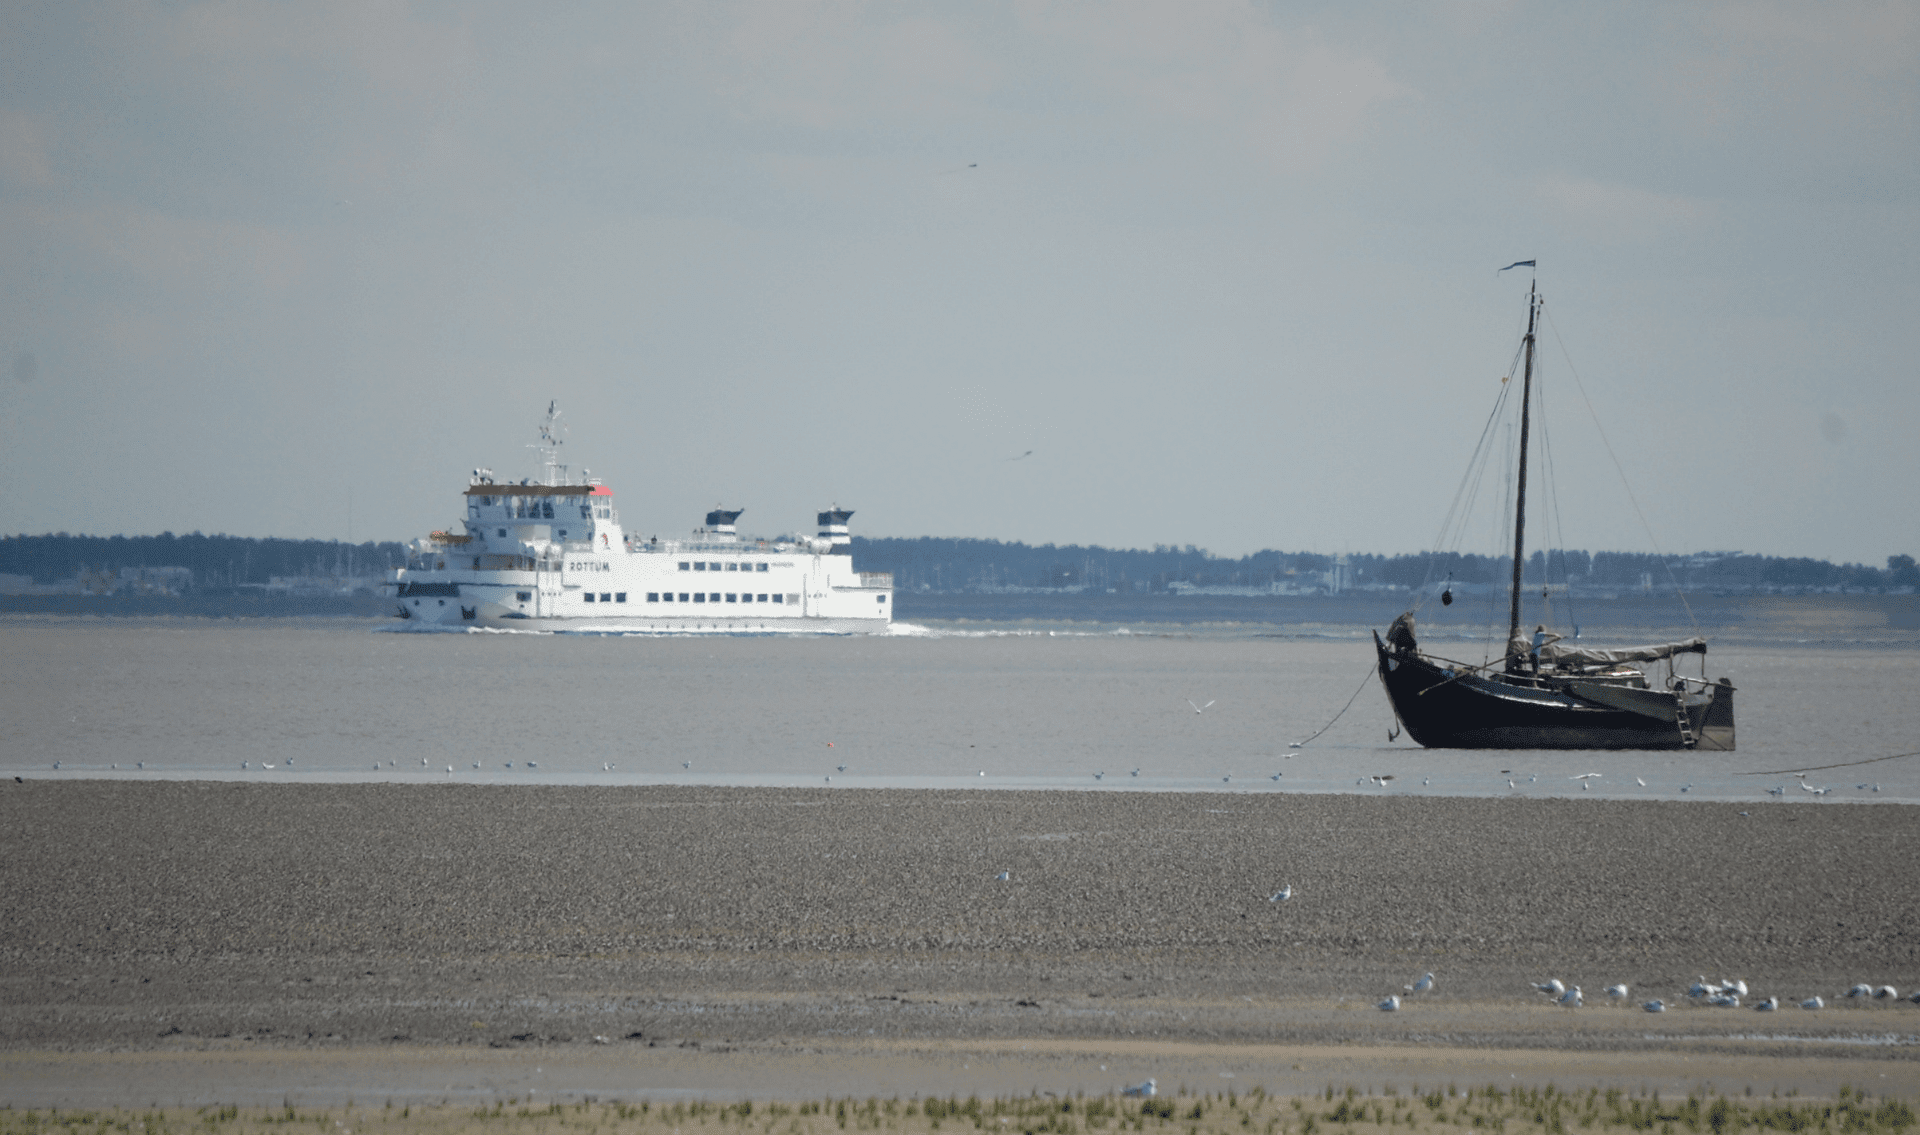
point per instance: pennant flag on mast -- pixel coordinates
(1517, 264)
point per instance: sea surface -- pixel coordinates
(1018, 702)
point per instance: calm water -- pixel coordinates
(933, 706)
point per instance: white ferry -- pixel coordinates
(552, 556)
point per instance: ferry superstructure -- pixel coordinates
(552, 555)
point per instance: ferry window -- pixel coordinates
(733, 597)
(563, 532)
(714, 597)
(683, 597)
(761, 567)
(700, 565)
(733, 567)
(699, 597)
(777, 598)
(523, 596)
(713, 567)
(685, 566)
(763, 599)
(589, 596)
(503, 532)
(619, 597)
(606, 598)
(546, 510)
(793, 597)
(746, 597)
(653, 597)
(879, 599)
(586, 513)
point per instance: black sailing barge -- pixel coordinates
(1547, 693)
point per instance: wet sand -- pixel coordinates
(157, 921)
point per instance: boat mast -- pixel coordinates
(1520, 493)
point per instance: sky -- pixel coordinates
(1210, 273)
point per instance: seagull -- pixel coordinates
(1275, 776)
(264, 764)
(476, 764)
(1293, 744)
(1885, 993)
(1281, 895)
(1584, 776)
(1425, 983)
(1004, 877)
(829, 780)
(1200, 708)
(1551, 987)
(1767, 1006)
(1390, 1005)
(1227, 779)
(1777, 790)
(1099, 776)
(140, 764)
(1860, 991)
(1510, 783)
(1642, 783)
(243, 764)
(1571, 998)
(1427, 782)
(509, 765)
(840, 768)
(1700, 988)
(449, 768)
(1725, 1001)
(1686, 787)
(1734, 986)
(1617, 992)
(686, 764)
(1813, 1003)
(1143, 1088)
(423, 762)
(533, 764)
(1655, 1006)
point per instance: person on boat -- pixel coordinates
(1541, 637)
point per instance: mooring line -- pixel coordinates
(1329, 725)
(1818, 768)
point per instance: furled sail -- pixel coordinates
(1556, 653)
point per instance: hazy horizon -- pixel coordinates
(1218, 274)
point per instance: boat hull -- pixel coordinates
(1444, 709)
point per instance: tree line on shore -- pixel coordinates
(945, 564)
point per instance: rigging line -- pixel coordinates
(1463, 498)
(1818, 768)
(1473, 462)
(1372, 669)
(1556, 516)
(1648, 528)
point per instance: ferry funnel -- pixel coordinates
(720, 523)
(833, 529)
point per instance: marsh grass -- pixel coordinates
(1348, 1111)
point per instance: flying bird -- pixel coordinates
(1200, 708)
(1022, 457)
(1282, 895)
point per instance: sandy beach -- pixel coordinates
(223, 919)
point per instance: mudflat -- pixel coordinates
(226, 918)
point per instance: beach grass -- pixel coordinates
(1334, 1111)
